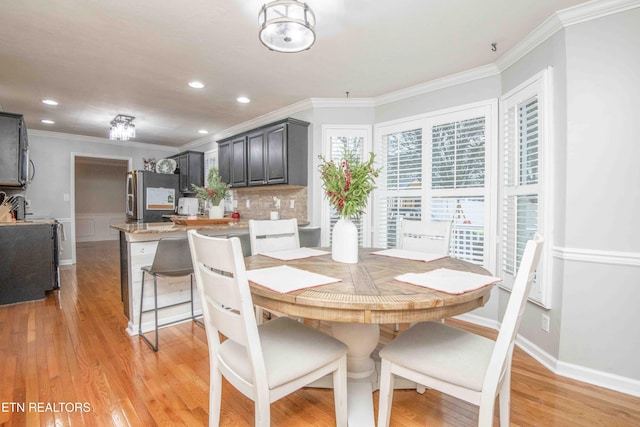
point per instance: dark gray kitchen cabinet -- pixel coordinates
(27, 262)
(190, 166)
(232, 161)
(275, 154)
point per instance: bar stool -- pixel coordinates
(172, 259)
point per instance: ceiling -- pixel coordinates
(103, 58)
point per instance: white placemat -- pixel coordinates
(414, 255)
(285, 279)
(449, 281)
(298, 253)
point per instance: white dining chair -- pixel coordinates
(264, 362)
(272, 235)
(425, 236)
(459, 363)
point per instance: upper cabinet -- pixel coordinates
(14, 151)
(272, 154)
(191, 169)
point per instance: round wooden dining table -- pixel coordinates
(366, 296)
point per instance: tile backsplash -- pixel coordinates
(263, 200)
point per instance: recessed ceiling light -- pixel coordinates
(47, 121)
(204, 131)
(243, 100)
(50, 102)
(196, 85)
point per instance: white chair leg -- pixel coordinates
(420, 388)
(262, 411)
(340, 393)
(505, 400)
(215, 397)
(386, 394)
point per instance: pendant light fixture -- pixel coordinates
(287, 26)
(122, 128)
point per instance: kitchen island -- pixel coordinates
(138, 242)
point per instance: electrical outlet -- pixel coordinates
(248, 203)
(546, 323)
(292, 204)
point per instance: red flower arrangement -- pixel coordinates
(348, 183)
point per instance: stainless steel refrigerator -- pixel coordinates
(151, 195)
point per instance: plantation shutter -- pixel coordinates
(399, 185)
(520, 219)
(526, 183)
(458, 184)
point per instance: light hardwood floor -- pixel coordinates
(68, 360)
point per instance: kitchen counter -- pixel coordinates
(169, 227)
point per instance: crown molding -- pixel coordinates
(562, 19)
(94, 139)
(342, 102)
(441, 83)
(265, 119)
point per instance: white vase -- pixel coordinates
(344, 242)
(216, 212)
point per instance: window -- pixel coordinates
(435, 167)
(525, 192)
(335, 139)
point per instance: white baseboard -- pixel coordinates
(580, 373)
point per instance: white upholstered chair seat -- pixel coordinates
(289, 348)
(445, 353)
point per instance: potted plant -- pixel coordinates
(214, 192)
(347, 184)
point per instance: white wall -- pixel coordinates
(601, 281)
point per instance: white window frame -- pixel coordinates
(487, 108)
(539, 86)
(336, 131)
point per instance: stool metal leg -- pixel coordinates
(155, 312)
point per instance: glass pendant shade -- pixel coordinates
(287, 26)
(122, 128)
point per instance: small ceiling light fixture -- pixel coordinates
(50, 101)
(243, 100)
(287, 26)
(47, 121)
(203, 131)
(122, 128)
(196, 85)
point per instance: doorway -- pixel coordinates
(98, 197)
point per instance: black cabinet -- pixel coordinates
(190, 167)
(272, 154)
(232, 161)
(28, 265)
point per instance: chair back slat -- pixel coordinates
(425, 236)
(266, 236)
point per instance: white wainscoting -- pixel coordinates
(97, 227)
